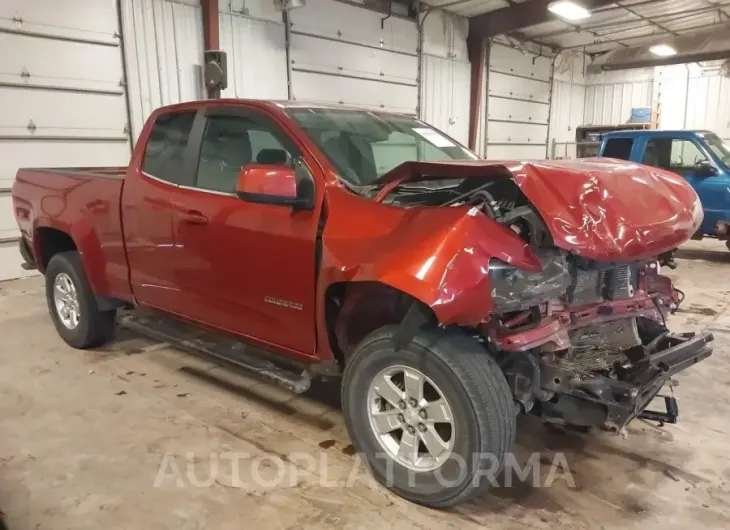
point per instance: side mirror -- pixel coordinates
(706, 169)
(276, 184)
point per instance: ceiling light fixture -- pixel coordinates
(569, 10)
(663, 50)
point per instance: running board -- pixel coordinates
(214, 348)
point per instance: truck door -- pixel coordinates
(148, 210)
(685, 157)
(243, 267)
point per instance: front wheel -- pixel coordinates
(433, 420)
(73, 306)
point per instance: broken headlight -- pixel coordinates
(514, 289)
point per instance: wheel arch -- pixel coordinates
(356, 308)
(49, 241)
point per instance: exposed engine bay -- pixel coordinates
(581, 342)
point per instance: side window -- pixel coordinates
(679, 156)
(618, 148)
(163, 155)
(231, 142)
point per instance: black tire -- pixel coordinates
(480, 399)
(95, 327)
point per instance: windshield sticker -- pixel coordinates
(434, 137)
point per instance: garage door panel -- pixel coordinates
(61, 113)
(82, 19)
(516, 152)
(344, 22)
(11, 261)
(358, 92)
(8, 227)
(60, 153)
(508, 60)
(499, 132)
(44, 62)
(506, 109)
(340, 53)
(323, 55)
(518, 104)
(62, 100)
(509, 86)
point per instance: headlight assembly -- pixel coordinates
(514, 289)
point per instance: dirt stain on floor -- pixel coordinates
(698, 310)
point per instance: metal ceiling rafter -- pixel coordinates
(720, 8)
(669, 17)
(648, 20)
(518, 16)
(681, 32)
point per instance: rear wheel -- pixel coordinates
(73, 306)
(434, 420)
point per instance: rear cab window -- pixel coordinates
(163, 154)
(618, 148)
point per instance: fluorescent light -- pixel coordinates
(569, 10)
(663, 50)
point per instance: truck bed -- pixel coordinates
(83, 202)
(99, 172)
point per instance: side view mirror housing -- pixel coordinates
(277, 184)
(706, 169)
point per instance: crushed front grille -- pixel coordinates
(588, 287)
(599, 346)
(594, 286)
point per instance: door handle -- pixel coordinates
(194, 217)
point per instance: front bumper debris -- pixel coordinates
(595, 400)
(670, 416)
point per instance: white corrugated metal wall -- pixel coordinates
(253, 35)
(163, 48)
(567, 105)
(519, 86)
(694, 96)
(62, 100)
(445, 74)
(610, 96)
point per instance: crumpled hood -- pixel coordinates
(598, 208)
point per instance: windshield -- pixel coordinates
(364, 145)
(717, 146)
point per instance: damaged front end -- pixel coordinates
(589, 346)
(581, 337)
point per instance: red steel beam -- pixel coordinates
(211, 38)
(519, 16)
(476, 48)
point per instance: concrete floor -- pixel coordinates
(127, 436)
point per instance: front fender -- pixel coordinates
(439, 256)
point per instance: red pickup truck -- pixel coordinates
(450, 293)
